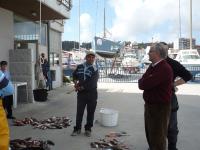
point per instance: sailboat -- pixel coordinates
(105, 47)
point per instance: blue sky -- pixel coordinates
(91, 14)
(133, 20)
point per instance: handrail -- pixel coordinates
(66, 3)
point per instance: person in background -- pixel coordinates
(45, 69)
(180, 76)
(6, 88)
(7, 100)
(85, 79)
(157, 85)
(42, 58)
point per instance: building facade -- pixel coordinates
(27, 29)
(184, 43)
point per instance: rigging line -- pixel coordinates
(40, 21)
(104, 21)
(96, 16)
(190, 24)
(75, 26)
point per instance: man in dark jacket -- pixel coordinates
(183, 76)
(85, 79)
(157, 85)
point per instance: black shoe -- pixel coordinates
(172, 148)
(11, 117)
(76, 132)
(88, 133)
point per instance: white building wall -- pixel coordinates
(7, 37)
(6, 33)
(55, 47)
(57, 25)
(54, 4)
(58, 77)
(42, 49)
(176, 44)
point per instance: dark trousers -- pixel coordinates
(156, 125)
(88, 100)
(172, 131)
(7, 104)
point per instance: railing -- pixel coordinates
(122, 74)
(125, 75)
(195, 71)
(66, 3)
(61, 22)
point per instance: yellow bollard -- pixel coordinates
(4, 130)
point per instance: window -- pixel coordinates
(28, 30)
(54, 59)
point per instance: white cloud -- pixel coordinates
(134, 20)
(86, 27)
(140, 20)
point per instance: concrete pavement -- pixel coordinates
(124, 97)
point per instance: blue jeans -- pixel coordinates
(172, 131)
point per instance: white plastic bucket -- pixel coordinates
(108, 117)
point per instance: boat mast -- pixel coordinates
(79, 26)
(190, 24)
(104, 21)
(180, 20)
(180, 34)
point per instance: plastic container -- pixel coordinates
(108, 117)
(40, 95)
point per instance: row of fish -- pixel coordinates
(30, 144)
(50, 123)
(110, 142)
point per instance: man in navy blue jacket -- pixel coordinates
(85, 79)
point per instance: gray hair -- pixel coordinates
(160, 49)
(165, 46)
